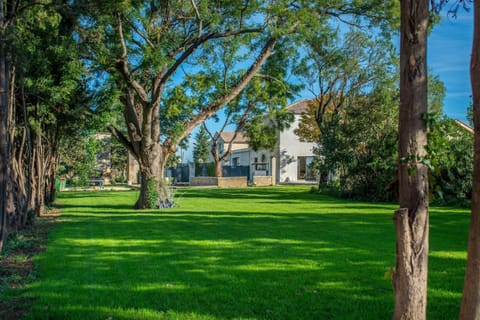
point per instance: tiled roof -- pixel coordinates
(299, 106)
(465, 126)
(227, 136)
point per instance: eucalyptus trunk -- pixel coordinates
(18, 163)
(470, 307)
(37, 181)
(411, 220)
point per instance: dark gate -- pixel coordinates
(238, 171)
(180, 173)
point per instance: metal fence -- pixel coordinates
(238, 171)
(180, 173)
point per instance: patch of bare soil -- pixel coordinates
(17, 268)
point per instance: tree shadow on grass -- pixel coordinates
(224, 265)
(255, 274)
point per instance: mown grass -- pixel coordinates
(257, 253)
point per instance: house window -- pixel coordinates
(235, 162)
(304, 168)
(260, 166)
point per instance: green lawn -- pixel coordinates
(256, 253)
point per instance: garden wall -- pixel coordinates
(261, 181)
(225, 182)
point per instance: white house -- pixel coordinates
(288, 162)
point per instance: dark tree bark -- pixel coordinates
(411, 220)
(6, 16)
(470, 307)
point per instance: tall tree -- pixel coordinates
(51, 99)
(358, 145)
(470, 307)
(342, 67)
(411, 220)
(201, 146)
(147, 44)
(7, 16)
(341, 73)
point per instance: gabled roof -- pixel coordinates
(299, 106)
(464, 126)
(227, 136)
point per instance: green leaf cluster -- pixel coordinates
(450, 148)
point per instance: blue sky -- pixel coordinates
(448, 56)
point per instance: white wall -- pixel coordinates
(243, 155)
(287, 152)
(290, 148)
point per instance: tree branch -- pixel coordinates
(216, 105)
(199, 41)
(144, 37)
(199, 18)
(121, 138)
(122, 67)
(160, 81)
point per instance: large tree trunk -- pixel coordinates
(470, 307)
(218, 169)
(154, 191)
(18, 193)
(217, 159)
(4, 132)
(411, 220)
(37, 181)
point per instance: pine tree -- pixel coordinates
(201, 146)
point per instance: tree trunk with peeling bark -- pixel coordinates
(470, 307)
(411, 220)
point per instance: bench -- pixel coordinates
(95, 183)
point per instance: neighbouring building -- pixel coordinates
(290, 160)
(133, 170)
(103, 159)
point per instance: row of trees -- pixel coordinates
(44, 102)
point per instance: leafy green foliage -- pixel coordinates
(353, 117)
(78, 158)
(359, 146)
(205, 169)
(450, 149)
(152, 193)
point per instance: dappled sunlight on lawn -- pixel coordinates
(218, 256)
